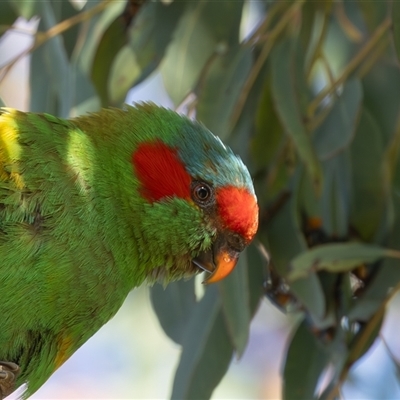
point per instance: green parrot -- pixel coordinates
(94, 206)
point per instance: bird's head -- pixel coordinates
(198, 197)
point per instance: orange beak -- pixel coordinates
(219, 261)
(224, 265)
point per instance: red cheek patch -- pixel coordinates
(160, 172)
(238, 210)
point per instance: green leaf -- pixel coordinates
(151, 34)
(282, 235)
(369, 195)
(92, 33)
(206, 29)
(85, 98)
(64, 10)
(7, 16)
(174, 305)
(285, 242)
(384, 278)
(206, 353)
(308, 291)
(396, 26)
(268, 131)
(337, 257)
(112, 41)
(288, 103)
(338, 128)
(24, 8)
(220, 87)
(309, 202)
(381, 88)
(243, 126)
(374, 12)
(257, 273)
(336, 193)
(285, 239)
(236, 304)
(124, 71)
(126, 56)
(308, 15)
(2, 104)
(305, 361)
(50, 78)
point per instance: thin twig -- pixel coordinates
(316, 53)
(373, 57)
(351, 31)
(351, 66)
(43, 37)
(272, 36)
(260, 31)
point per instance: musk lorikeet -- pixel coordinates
(94, 206)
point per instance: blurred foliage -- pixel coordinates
(307, 93)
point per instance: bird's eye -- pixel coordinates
(201, 193)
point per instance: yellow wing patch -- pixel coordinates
(65, 349)
(10, 149)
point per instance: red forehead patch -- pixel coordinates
(238, 210)
(160, 172)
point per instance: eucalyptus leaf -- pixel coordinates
(336, 194)
(383, 280)
(174, 305)
(220, 87)
(200, 370)
(206, 29)
(131, 53)
(124, 71)
(337, 257)
(288, 104)
(111, 43)
(235, 299)
(7, 16)
(257, 273)
(63, 11)
(305, 361)
(268, 136)
(308, 14)
(91, 34)
(381, 87)
(242, 124)
(85, 98)
(285, 241)
(24, 8)
(308, 291)
(50, 65)
(369, 194)
(374, 12)
(396, 26)
(338, 128)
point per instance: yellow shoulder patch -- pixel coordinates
(65, 347)
(10, 149)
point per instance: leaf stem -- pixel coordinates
(272, 37)
(351, 66)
